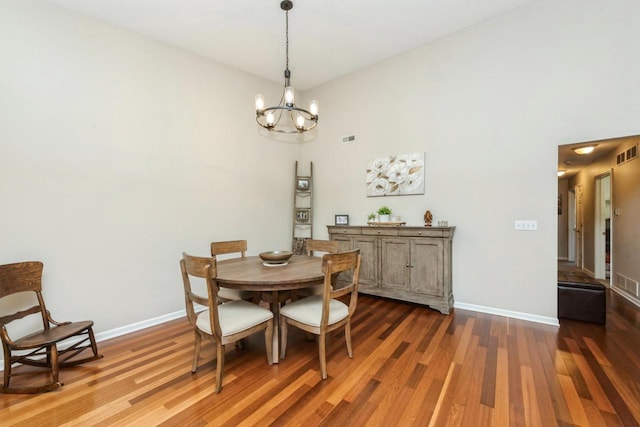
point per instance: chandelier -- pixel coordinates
(286, 117)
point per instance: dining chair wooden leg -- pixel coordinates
(283, 337)
(196, 351)
(322, 350)
(347, 335)
(268, 341)
(219, 366)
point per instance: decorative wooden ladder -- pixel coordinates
(302, 210)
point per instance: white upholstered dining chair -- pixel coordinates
(226, 248)
(314, 246)
(321, 314)
(326, 246)
(224, 323)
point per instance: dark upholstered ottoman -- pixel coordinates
(582, 301)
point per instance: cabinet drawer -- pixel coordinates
(414, 233)
(424, 232)
(344, 230)
(379, 231)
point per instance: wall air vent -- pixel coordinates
(627, 155)
(348, 139)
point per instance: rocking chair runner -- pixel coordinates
(39, 348)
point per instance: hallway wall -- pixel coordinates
(625, 199)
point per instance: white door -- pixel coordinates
(602, 231)
(571, 253)
(579, 191)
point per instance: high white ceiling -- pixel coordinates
(327, 38)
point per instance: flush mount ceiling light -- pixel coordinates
(585, 150)
(286, 117)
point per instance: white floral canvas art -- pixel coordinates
(397, 175)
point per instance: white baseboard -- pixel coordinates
(625, 295)
(508, 313)
(134, 327)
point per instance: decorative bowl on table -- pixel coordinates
(276, 257)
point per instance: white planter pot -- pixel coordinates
(384, 218)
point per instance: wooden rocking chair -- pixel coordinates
(38, 348)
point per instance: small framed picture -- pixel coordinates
(302, 216)
(342, 219)
(302, 184)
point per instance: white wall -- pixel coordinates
(117, 153)
(489, 106)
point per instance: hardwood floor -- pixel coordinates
(568, 272)
(411, 366)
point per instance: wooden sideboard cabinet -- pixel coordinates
(405, 263)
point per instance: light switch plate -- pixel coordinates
(526, 225)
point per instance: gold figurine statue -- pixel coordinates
(428, 218)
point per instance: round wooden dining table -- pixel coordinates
(274, 282)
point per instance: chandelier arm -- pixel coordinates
(282, 108)
(311, 120)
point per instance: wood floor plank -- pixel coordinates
(471, 402)
(591, 382)
(502, 403)
(578, 415)
(532, 413)
(443, 412)
(516, 393)
(412, 366)
(538, 360)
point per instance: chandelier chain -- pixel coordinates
(287, 36)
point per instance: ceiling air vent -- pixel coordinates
(630, 154)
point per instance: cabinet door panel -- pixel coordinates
(369, 266)
(395, 260)
(344, 243)
(427, 273)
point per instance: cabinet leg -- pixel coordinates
(444, 309)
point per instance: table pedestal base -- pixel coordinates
(274, 299)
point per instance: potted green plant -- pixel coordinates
(371, 217)
(384, 213)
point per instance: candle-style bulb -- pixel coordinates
(259, 102)
(289, 95)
